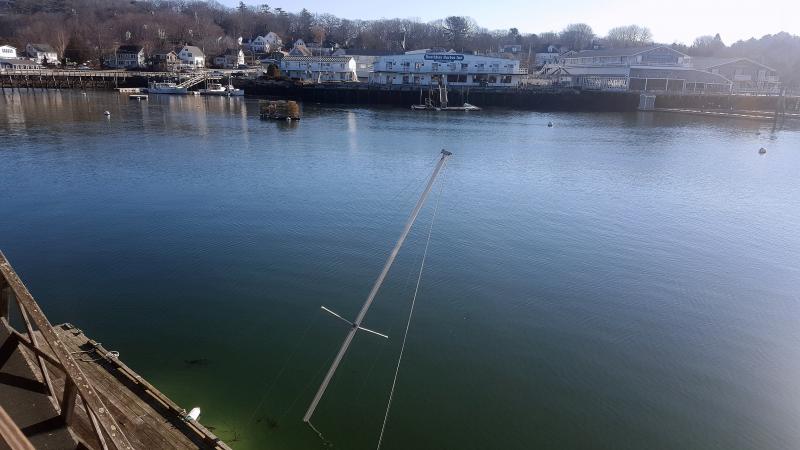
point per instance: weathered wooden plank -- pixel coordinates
(147, 425)
(85, 389)
(11, 434)
(68, 401)
(36, 351)
(42, 366)
(4, 300)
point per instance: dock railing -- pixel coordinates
(13, 291)
(50, 351)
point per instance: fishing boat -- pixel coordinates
(166, 88)
(434, 102)
(220, 90)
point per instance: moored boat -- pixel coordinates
(219, 89)
(166, 88)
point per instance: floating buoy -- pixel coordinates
(193, 414)
(84, 93)
(107, 113)
(762, 150)
(549, 124)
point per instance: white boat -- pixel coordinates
(166, 88)
(218, 89)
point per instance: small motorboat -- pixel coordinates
(219, 89)
(166, 88)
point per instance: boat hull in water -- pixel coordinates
(465, 107)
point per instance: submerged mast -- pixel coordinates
(356, 324)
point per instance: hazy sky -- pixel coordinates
(676, 20)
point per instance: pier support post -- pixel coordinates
(68, 401)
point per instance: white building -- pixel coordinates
(42, 53)
(192, 56)
(423, 67)
(19, 64)
(316, 68)
(7, 51)
(127, 57)
(653, 68)
(231, 59)
(265, 44)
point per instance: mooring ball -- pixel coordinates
(762, 150)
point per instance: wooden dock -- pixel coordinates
(60, 389)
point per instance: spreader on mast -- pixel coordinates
(356, 324)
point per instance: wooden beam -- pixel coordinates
(42, 366)
(11, 434)
(68, 401)
(5, 301)
(88, 394)
(37, 351)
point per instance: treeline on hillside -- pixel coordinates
(88, 29)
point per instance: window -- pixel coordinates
(418, 65)
(389, 65)
(464, 66)
(405, 79)
(435, 66)
(451, 67)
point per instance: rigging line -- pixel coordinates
(283, 369)
(410, 314)
(389, 332)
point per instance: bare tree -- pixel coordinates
(629, 36)
(577, 36)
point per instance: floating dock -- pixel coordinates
(60, 389)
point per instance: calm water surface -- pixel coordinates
(621, 281)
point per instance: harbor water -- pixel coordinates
(621, 281)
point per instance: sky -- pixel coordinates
(673, 21)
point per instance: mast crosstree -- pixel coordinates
(356, 324)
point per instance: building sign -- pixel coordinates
(448, 57)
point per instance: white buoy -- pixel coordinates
(762, 150)
(193, 414)
(107, 113)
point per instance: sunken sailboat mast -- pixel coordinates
(356, 324)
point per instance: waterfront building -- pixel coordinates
(231, 59)
(165, 60)
(365, 60)
(42, 53)
(652, 68)
(319, 68)
(126, 57)
(192, 56)
(19, 64)
(746, 75)
(426, 67)
(7, 51)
